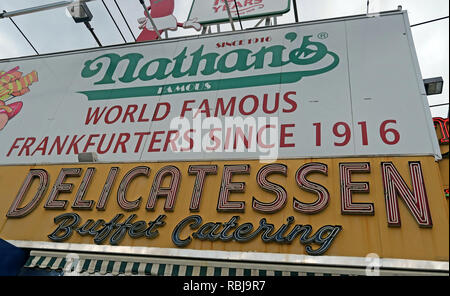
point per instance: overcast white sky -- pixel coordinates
(53, 31)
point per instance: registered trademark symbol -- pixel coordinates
(322, 35)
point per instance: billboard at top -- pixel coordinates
(344, 87)
(215, 11)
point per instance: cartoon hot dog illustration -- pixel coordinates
(161, 12)
(13, 84)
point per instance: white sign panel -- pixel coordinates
(215, 11)
(333, 89)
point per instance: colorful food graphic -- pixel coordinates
(13, 84)
(161, 12)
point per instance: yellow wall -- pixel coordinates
(360, 235)
(444, 170)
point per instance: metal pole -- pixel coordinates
(150, 18)
(259, 23)
(427, 22)
(229, 15)
(40, 8)
(295, 10)
(88, 25)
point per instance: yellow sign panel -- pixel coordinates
(394, 207)
(442, 132)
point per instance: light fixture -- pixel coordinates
(80, 12)
(87, 157)
(433, 86)
(78, 9)
(39, 8)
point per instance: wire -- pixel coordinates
(29, 42)
(239, 17)
(430, 21)
(120, 10)
(109, 12)
(438, 105)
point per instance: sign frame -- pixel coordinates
(420, 96)
(361, 262)
(244, 17)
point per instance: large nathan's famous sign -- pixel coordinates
(319, 90)
(292, 140)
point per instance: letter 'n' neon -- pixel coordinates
(416, 201)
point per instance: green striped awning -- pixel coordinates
(95, 264)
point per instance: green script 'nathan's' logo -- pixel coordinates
(308, 53)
